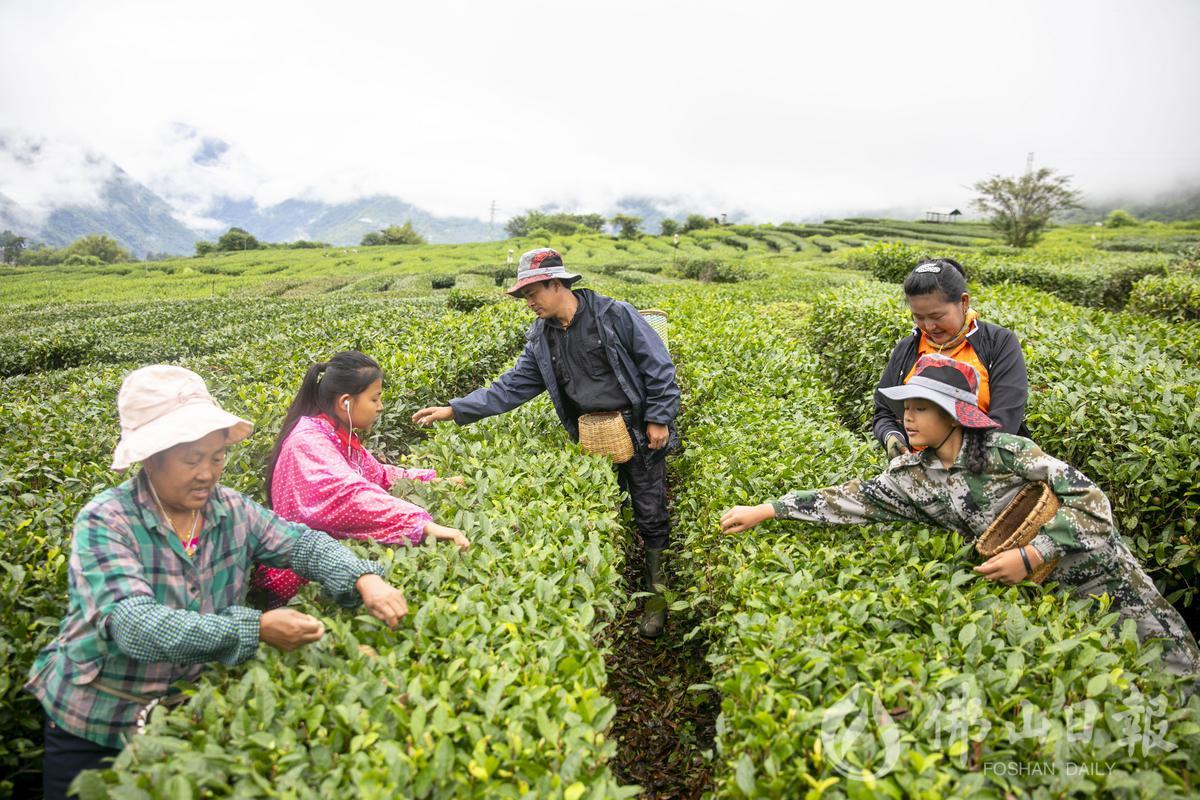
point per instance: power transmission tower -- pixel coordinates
(492, 222)
(1029, 163)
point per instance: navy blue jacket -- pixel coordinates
(637, 355)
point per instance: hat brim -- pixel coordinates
(567, 277)
(187, 423)
(967, 414)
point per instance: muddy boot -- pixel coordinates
(654, 614)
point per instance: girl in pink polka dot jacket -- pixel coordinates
(320, 474)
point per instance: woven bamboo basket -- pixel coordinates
(1019, 523)
(658, 320)
(604, 434)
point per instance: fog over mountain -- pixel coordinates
(299, 120)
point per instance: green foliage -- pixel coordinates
(11, 246)
(1175, 296)
(529, 223)
(94, 249)
(712, 270)
(629, 225)
(532, 523)
(1021, 207)
(494, 685)
(888, 261)
(697, 222)
(802, 616)
(469, 300)
(1104, 396)
(235, 239)
(668, 227)
(1120, 218)
(1099, 282)
(444, 282)
(394, 234)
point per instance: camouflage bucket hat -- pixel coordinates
(953, 385)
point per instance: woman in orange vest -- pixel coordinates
(945, 323)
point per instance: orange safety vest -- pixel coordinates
(965, 353)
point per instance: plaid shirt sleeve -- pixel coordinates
(311, 554)
(147, 631)
(135, 622)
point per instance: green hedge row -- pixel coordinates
(492, 687)
(871, 662)
(1175, 297)
(57, 431)
(1107, 398)
(1103, 282)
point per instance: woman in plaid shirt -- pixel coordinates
(158, 575)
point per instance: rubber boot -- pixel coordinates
(654, 615)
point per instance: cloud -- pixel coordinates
(41, 174)
(784, 110)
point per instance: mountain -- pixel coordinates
(129, 212)
(13, 218)
(346, 223)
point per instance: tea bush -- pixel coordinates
(1107, 399)
(1174, 297)
(56, 452)
(882, 638)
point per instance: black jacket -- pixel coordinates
(636, 353)
(1008, 381)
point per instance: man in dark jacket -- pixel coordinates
(592, 353)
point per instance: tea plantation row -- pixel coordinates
(868, 662)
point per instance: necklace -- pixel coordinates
(192, 541)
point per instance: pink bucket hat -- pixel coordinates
(542, 264)
(162, 406)
(953, 385)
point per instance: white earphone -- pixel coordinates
(350, 422)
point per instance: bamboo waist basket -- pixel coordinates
(604, 434)
(1019, 523)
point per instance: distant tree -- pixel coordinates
(104, 249)
(404, 234)
(40, 255)
(518, 226)
(204, 248)
(237, 239)
(593, 221)
(11, 246)
(1120, 218)
(1021, 207)
(668, 227)
(696, 222)
(394, 234)
(523, 225)
(630, 225)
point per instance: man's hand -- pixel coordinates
(428, 416)
(896, 446)
(385, 602)
(743, 518)
(1007, 567)
(286, 629)
(656, 435)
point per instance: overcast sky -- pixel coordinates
(781, 109)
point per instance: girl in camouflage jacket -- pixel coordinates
(964, 477)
